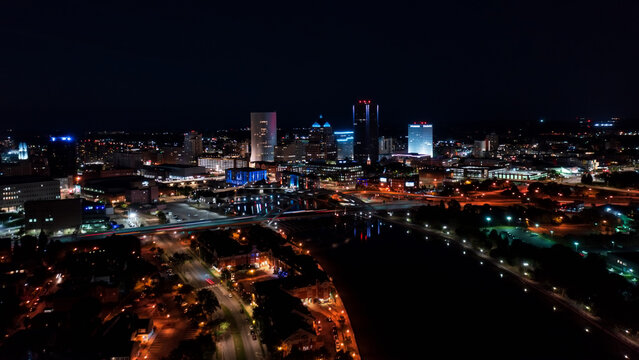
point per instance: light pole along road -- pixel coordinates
(589, 318)
(195, 273)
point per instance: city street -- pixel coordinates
(194, 273)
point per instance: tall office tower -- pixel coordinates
(385, 147)
(263, 136)
(344, 140)
(61, 155)
(493, 141)
(420, 139)
(366, 128)
(192, 144)
(23, 153)
(480, 148)
(321, 142)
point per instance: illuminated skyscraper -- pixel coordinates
(344, 140)
(23, 153)
(420, 139)
(321, 142)
(263, 136)
(366, 128)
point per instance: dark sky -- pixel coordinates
(155, 64)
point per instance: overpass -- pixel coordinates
(209, 224)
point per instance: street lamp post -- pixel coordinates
(576, 245)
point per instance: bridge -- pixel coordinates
(209, 224)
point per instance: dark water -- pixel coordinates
(411, 298)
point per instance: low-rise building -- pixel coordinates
(169, 172)
(130, 189)
(243, 176)
(220, 165)
(16, 190)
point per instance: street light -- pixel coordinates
(509, 217)
(488, 218)
(576, 244)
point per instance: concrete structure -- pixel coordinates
(192, 144)
(128, 160)
(291, 151)
(16, 190)
(263, 136)
(336, 175)
(479, 172)
(169, 172)
(220, 165)
(366, 129)
(53, 216)
(420, 139)
(481, 148)
(113, 190)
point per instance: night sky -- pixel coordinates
(155, 64)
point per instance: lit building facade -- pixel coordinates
(16, 190)
(243, 176)
(321, 143)
(366, 129)
(420, 139)
(219, 165)
(263, 136)
(344, 141)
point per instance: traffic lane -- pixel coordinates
(252, 347)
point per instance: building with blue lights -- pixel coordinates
(366, 129)
(321, 143)
(420, 139)
(61, 155)
(243, 176)
(344, 141)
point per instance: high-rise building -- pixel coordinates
(263, 136)
(321, 143)
(23, 153)
(366, 128)
(385, 147)
(344, 140)
(291, 151)
(192, 144)
(480, 148)
(420, 139)
(61, 155)
(493, 141)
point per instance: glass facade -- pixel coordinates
(420, 139)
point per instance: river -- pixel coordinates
(412, 298)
